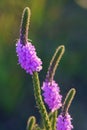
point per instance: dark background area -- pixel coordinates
(53, 22)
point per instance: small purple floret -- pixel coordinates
(51, 95)
(64, 122)
(27, 57)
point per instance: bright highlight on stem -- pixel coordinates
(68, 100)
(31, 123)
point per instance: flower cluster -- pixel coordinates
(27, 57)
(64, 122)
(51, 95)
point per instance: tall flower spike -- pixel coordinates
(51, 89)
(64, 119)
(26, 52)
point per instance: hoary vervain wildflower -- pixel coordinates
(64, 119)
(32, 64)
(51, 90)
(27, 57)
(26, 52)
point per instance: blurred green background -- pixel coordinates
(53, 22)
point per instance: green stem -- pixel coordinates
(39, 101)
(54, 120)
(52, 117)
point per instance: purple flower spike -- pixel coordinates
(27, 57)
(51, 95)
(64, 122)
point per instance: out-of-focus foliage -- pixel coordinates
(53, 22)
(82, 3)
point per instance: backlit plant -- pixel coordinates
(32, 64)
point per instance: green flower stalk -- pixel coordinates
(39, 101)
(55, 62)
(31, 123)
(52, 117)
(68, 100)
(25, 26)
